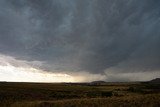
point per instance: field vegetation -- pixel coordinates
(136, 94)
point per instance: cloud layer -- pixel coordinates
(95, 36)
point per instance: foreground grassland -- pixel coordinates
(79, 95)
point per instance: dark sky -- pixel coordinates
(95, 36)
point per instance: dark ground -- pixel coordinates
(133, 94)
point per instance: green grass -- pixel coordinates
(78, 95)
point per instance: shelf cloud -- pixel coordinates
(94, 37)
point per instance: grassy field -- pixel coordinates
(79, 95)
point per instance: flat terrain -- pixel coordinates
(136, 94)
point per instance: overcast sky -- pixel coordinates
(112, 40)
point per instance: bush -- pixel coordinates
(135, 89)
(106, 94)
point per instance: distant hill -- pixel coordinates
(98, 83)
(157, 80)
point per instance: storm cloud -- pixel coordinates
(95, 36)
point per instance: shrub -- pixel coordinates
(106, 94)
